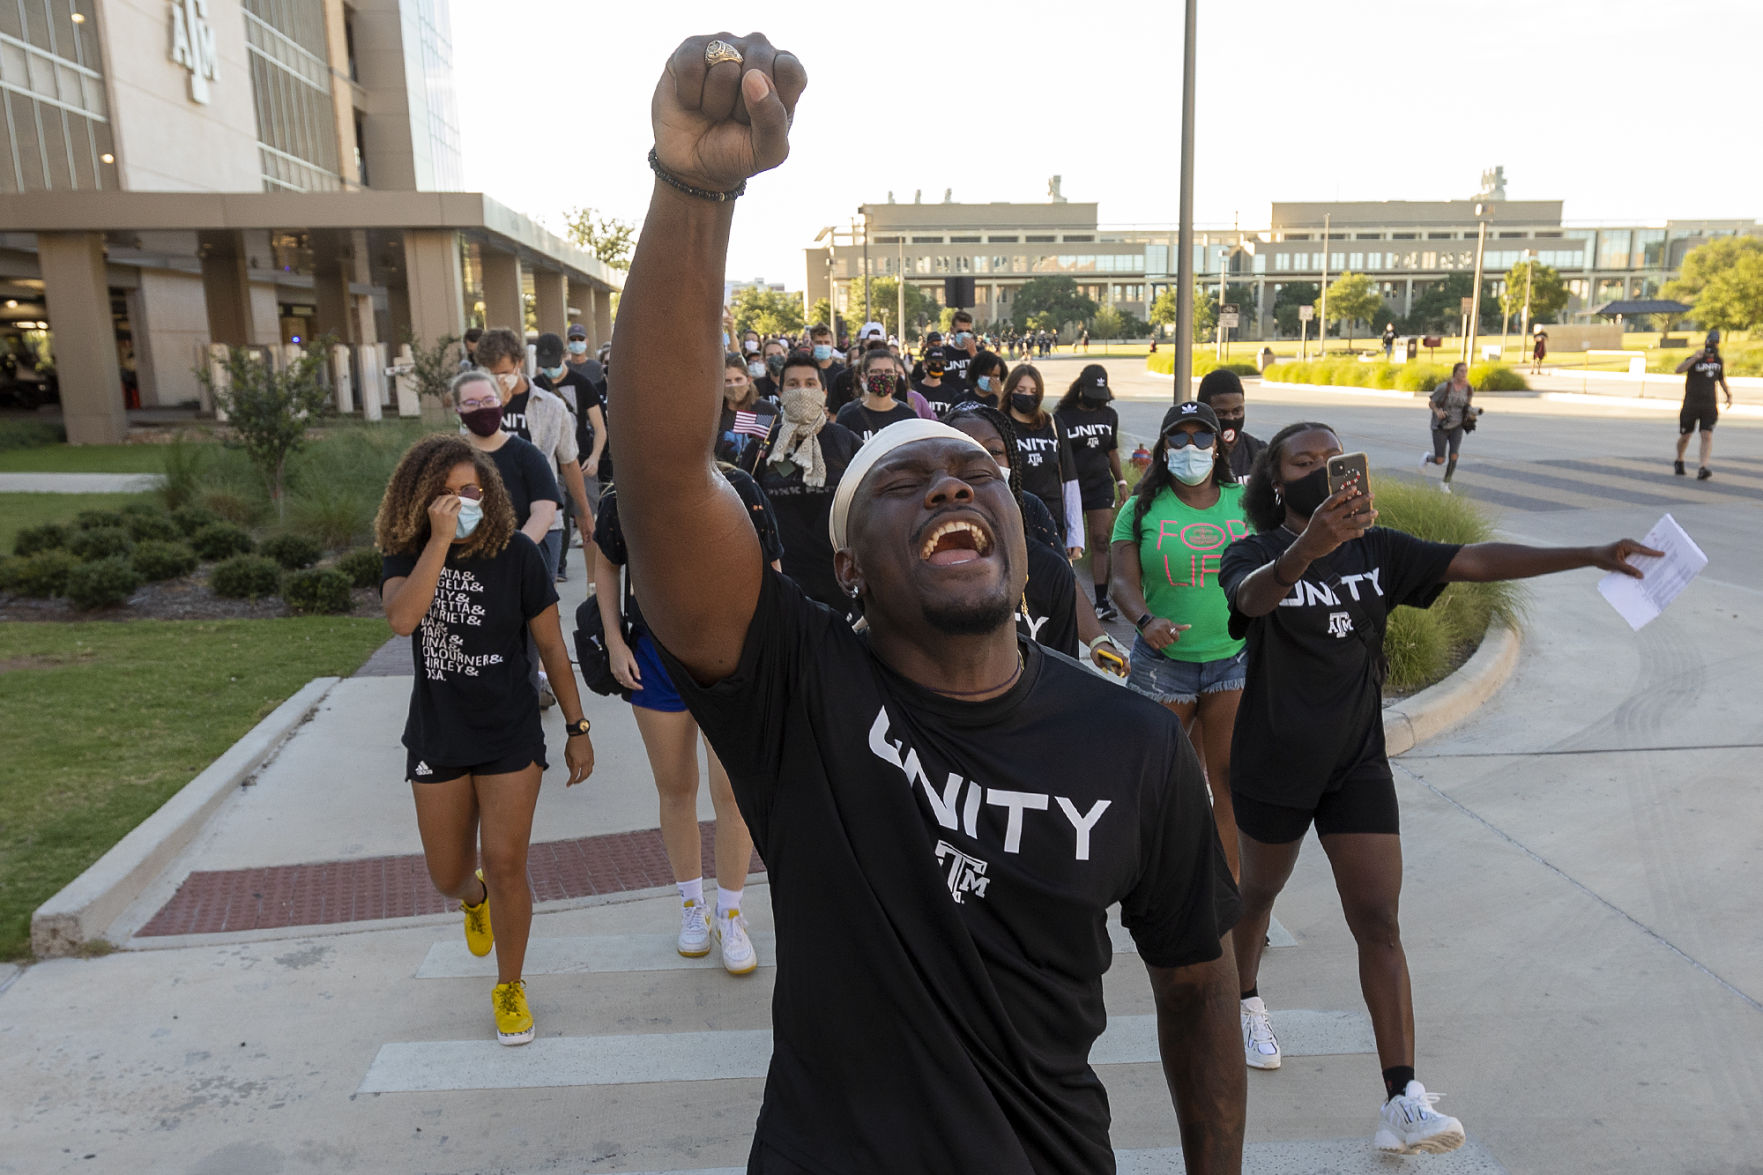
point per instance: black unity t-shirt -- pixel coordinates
(866, 422)
(1311, 715)
(1702, 380)
(1048, 611)
(956, 361)
(801, 512)
(473, 699)
(526, 475)
(967, 852)
(1094, 434)
(944, 395)
(1046, 458)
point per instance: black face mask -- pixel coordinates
(935, 369)
(775, 365)
(1228, 429)
(1024, 402)
(1308, 492)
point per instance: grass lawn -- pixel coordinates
(105, 721)
(85, 459)
(17, 511)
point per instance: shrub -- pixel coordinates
(185, 463)
(292, 551)
(190, 519)
(29, 434)
(1163, 363)
(145, 507)
(51, 536)
(98, 519)
(157, 560)
(102, 542)
(1404, 377)
(41, 575)
(246, 577)
(219, 540)
(102, 583)
(242, 508)
(322, 589)
(143, 526)
(362, 566)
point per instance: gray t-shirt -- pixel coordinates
(1454, 402)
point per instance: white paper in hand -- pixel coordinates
(1641, 600)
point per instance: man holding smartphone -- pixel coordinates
(1706, 369)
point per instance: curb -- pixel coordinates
(1443, 705)
(86, 907)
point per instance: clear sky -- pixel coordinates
(1614, 106)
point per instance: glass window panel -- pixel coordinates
(1355, 261)
(81, 153)
(9, 20)
(42, 71)
(36, 24)
(8, 170)
(26, 150)
(13, 66)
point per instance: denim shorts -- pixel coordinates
(1164, 680)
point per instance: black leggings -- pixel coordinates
(1441, 437)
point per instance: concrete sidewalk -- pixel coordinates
(1578, 885)
(78, 483)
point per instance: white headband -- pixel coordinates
(902, 432)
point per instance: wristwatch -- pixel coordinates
(580, 726)
(1142, 621)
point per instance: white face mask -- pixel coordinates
(756, 370)
(1190, 464)
(750, 346)
(510, 380)
(471, 512)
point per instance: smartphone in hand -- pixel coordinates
(1345, 469)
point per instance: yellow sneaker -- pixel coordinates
(514, 1023)
(479, 938)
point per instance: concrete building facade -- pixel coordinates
(180, 173)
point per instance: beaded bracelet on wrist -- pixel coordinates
(680, 185)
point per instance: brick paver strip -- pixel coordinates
(329, 892)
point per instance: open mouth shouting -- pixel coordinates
(955, 541)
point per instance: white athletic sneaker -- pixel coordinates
(694, 931)
(1408, 1126)
(738, 955)
(1260, 1046)
(1444, 487)
(1425, 462)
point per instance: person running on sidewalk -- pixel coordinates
(1700, 413)
(1094, 428)
(471, 588)
(1453, 414)
(943, 850)
(1222, 391)
(670, 736)
(1311, 592)
(1167, 543)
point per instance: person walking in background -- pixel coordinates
(459, 576)
(1045, 462)
(1452, 416)
(1539, 350)
(1094, 428)
(879, 404)
(468, 348)
(580, 362)
(586, 406)
(1706, 371)
(1389, 341)
(747, 420)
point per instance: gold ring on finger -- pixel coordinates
(718, 52)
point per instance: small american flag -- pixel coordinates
(753, 424)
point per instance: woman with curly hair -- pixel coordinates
(470, 587)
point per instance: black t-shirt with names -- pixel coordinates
(866, 422)
(801, 512)
(527, 476)
(473, 699)
(609, 534)
(1046, 458)
(1702, 380)
(1048, 611)
(1094, 434)
(1311, 714)
(968, 853)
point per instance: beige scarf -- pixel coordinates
(798, 438)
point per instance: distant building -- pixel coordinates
(175, 173)
(1404, 246)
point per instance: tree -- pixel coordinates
(1054, 298)
(268, 410)
(1205, 311)
(433, 367)
(1352, 299)
(1722, 281)
(1286, 302)
(1548, 293)
(606, 237)
(1107, 324)
(1166, 309)
(770, 312)
(1438, 309)
(821, 314)
(885, 292)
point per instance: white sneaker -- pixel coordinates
(1260, 1047)
(694, 931)
(1408, 1125)
(738, 955)
(1444, 487)
(1425, 462)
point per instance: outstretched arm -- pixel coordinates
(1485, 562)
(691, 546)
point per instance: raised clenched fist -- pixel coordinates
(718, 124)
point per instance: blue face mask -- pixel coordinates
(822, 352)
(985, 383)
(471, 512)
(1190, 464)
(961, 337)
(579, 347)
(552, 372)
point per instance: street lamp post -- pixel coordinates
(1184, 261)
(1482, 212)
(1530, 266)
(1322, 309)
(867, 308)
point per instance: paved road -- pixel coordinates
(1581, 879)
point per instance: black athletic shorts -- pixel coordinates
(1098, 496)
(1363, 802)
(417, 771)
(1697, 416)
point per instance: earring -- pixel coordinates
(1276, 496)
(855, 592)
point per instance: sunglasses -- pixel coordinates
(1181, 440)
(472, 492)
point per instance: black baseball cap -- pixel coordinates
(1092, 383)
(1191, 410)
(548, 350)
